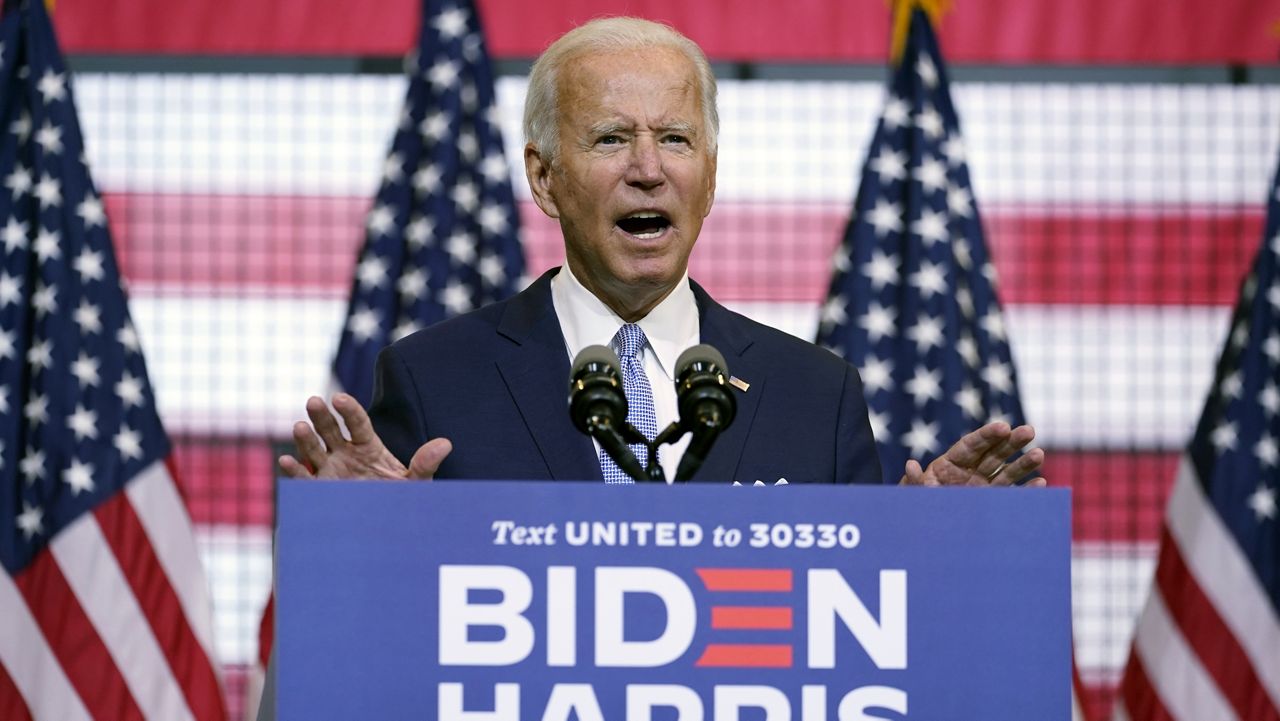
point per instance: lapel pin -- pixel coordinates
(738, 383)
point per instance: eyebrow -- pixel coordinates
(608, 128)
(679, 127)
(611, 127)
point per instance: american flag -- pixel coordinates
(106, 613)
(912, 301)
(1207, 643)
(442, 237)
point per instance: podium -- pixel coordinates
(700, 602)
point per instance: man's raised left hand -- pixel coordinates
(981, 458)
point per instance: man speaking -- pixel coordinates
(620, 126)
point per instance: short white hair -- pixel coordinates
(541, 104)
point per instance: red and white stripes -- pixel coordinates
(1206, 644)
(112, 620)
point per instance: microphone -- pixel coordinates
(706, 405)
(598, 406)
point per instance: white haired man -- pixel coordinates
(621, 126)
(620, 123)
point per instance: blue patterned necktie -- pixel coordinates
(628, 343)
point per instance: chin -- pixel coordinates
(652, 275)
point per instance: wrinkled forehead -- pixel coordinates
(595, 77)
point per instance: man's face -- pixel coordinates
(634, 177)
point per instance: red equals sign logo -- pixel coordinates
(748, 618)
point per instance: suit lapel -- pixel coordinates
(536, 373)
(726, 332)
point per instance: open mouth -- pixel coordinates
(644, 225)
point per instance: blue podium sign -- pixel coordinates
(585, 602)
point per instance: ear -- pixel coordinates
(538, 172)
(711, 186)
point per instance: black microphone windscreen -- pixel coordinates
(702, 353)
(595, 354)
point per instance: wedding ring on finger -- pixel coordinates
(992, 475)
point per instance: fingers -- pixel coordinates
(973, 448)
(994, 459)
(325, 452)
(355, 417)
(1025, 465)
(311, 451)
(996, 442)
(294, 468)
(325, 424)
(916, 476)
(1018, 439)
(426, 461)
(911, 476)
(980, 457)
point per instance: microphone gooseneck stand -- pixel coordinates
(598, 408)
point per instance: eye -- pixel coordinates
(609, 140)
(676, 139)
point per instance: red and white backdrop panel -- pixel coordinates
(1121, 219)
(978, 31)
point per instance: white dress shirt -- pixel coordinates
(671, 327)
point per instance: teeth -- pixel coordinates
(638, 225)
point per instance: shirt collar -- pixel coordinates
(671, 327)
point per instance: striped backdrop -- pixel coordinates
(1121, 219)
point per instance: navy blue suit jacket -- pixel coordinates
(495, 383)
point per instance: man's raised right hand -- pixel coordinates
(324, 452)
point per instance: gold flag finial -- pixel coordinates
(902, 21)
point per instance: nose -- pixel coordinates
(645, 170)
